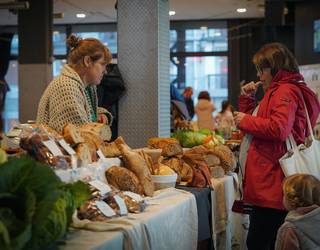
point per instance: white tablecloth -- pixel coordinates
(169, 222)
(222, 198)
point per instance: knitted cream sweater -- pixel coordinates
(64, 101)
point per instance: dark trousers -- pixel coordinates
(264, 225)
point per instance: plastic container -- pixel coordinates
(164, 181)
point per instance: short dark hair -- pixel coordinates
(275, 56)
(225, 104)
(204, 95)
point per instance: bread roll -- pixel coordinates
(123, 179)
(101, 130)
(135, 162)
(83, 152)
(71, 134)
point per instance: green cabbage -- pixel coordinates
(189, 139)
(35, 206)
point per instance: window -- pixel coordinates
(59, 43)
(11, 109)
(208, 73)
(206, 40)
(57, 66)
(199, 58)
(14, 45)
(108, 38)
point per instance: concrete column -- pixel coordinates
(143, 58)
(35, 55)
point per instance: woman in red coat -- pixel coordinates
(280, 112)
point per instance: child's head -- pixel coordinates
(301, 190)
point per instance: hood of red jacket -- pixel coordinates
(310, 98)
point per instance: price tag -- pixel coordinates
(121, 204)
(53, 147)
(67, 147)
(100, 154)
(105, 208)
(102, 187)
(134, 196)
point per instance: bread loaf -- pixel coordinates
(84, 153)
(226, 157)
(101, 130)
(171, 149)
(148, 160)
(135, 162)
(212, 160)
(93, 150)
(123, 179)
(159, 142)
(91, 138)
(183, 170)
(110, 149)
(71, 134)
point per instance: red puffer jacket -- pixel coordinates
(281, 111)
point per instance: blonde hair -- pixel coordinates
(302, 190)
(275, 56)
(79, 48)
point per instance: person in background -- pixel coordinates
(302, 224)
(225, 120)
(72, 96)
(187, 94)
(280, 112)
(203, 110)
(110, 90)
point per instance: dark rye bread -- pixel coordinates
(123, 179)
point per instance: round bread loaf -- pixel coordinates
(123, 179)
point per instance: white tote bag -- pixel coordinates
(303, 158)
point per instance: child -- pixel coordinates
(302, 225)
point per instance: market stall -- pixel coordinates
(133, 203)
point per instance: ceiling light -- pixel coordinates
(241, 10)
(203, 27)
(58, 15)
(172, 13)
(56, 32)
(217, 33)
(81, 15)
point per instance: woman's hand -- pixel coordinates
(238, 116)
(102, 118)
(250, 88)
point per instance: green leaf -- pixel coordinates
(4, 237)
